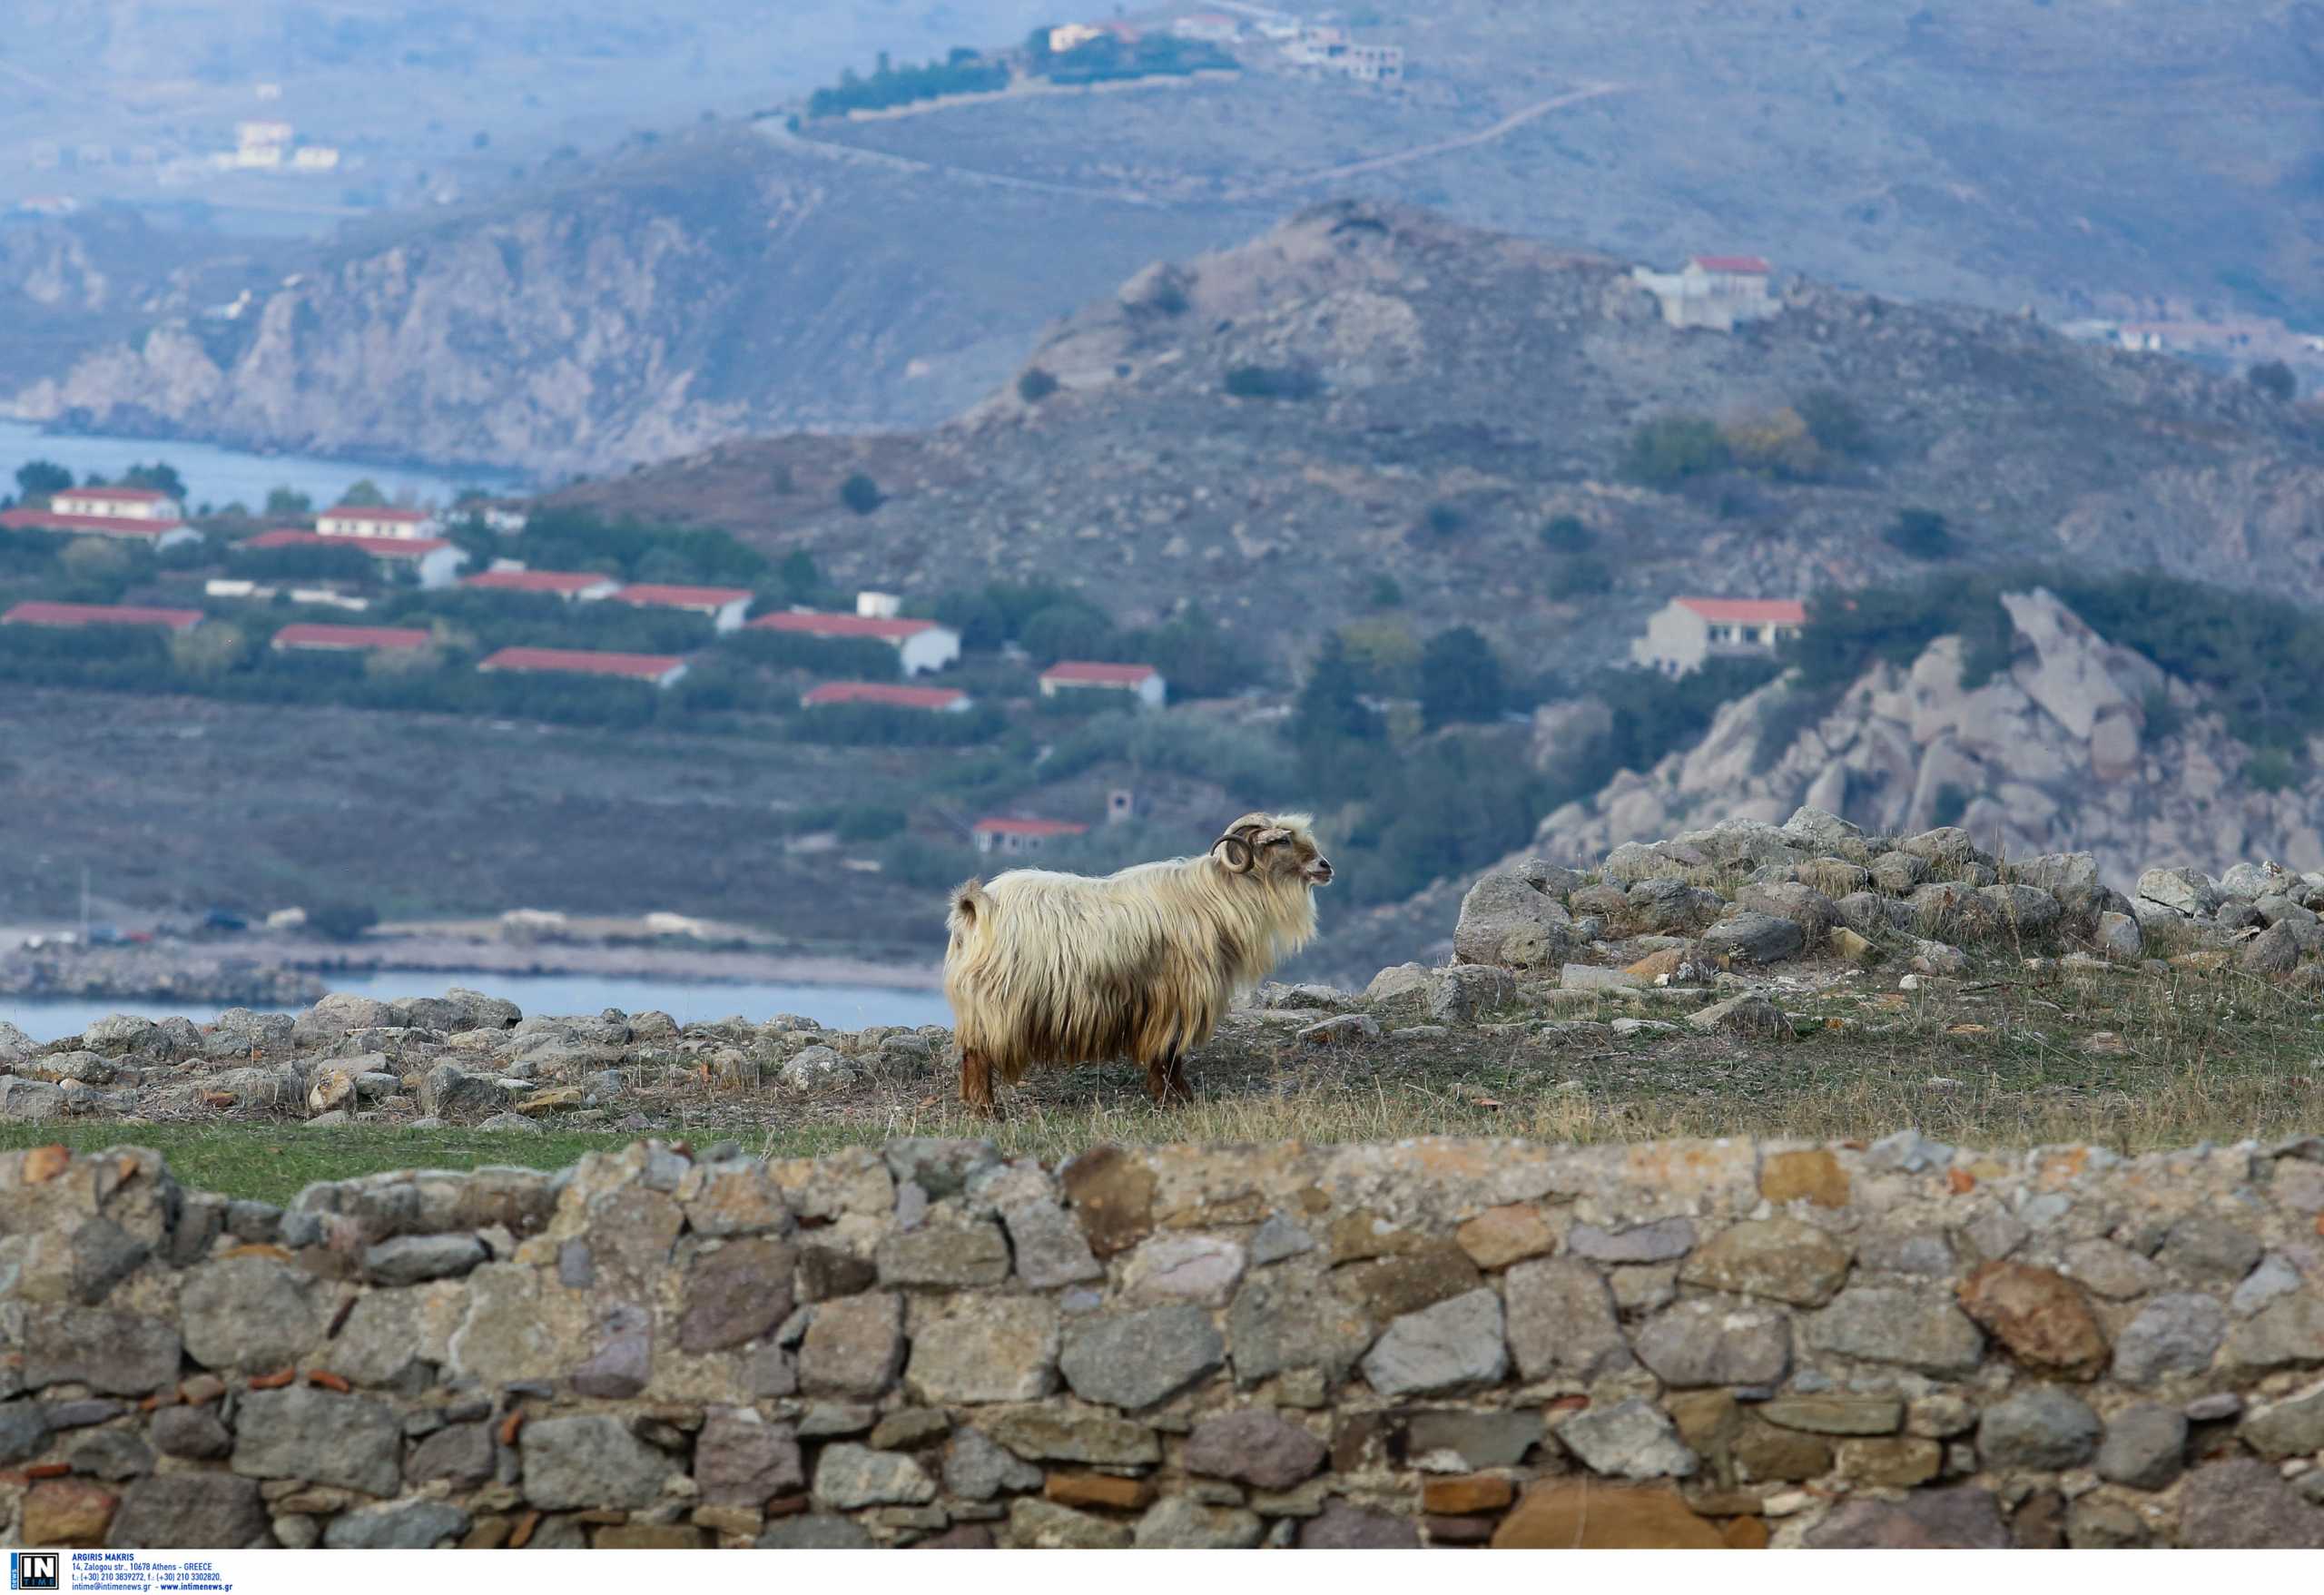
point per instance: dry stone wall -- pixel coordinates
(1715, 1343)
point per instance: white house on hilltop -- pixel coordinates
(117, 503)
(1712, 290)
(377, 520)
(1684, 633)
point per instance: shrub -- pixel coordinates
(1776, 444)
(860, 493)
(1273, 382)
(1580, 575)
(341, 921)
(38, 478)
(210, 650)
(2274, 378)
(286, 503)
(870, 823)
(2164, 719)
(1669, 449)
(1387, 592)
(365, 492)
(1035, 385)
(1835, 424)
(1950, 805)
(1919, 534)
(2271, 770)
(1460, 678)
(1567, 535)
(1196, 656)
(1442, 520)
(1073, 629)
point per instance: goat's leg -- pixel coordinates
(976, 1085)
(1166, 1081)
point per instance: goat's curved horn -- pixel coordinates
(1239, 857)
(1272, 833)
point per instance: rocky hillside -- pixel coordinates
(1372, 391)
(2078, 744)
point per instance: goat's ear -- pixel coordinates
(1234, 853)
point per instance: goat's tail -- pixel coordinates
(971, 907)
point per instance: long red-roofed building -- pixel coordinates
(1005, 835)
(923, 645)
(376, 520)
(1142, 681)
(40, 612)
(308, 635)
(567, 584)
(726, 606)
(1684, 633)
(657, 669)
(149, 530)
(884, 694)
(433, 560)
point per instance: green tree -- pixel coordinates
(1196, 656)
(2274, 378)
(1329, 704)
(1669, 449)
(365, 494)
(1035, 385)
(161, 477)
(1835, 424)
(1071, 630)
(1580, 575)
(285, 503)
(1567, 535)
(860, 493)
(38, 478)
(341, 921)
(209, 652)
(1387, 591)
(978, 617)
(1460, 678)
(800, 578)
(1919, 534)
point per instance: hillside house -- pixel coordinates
(879, 606)
(1141, 682)
(432, 561)
(1712, 290)
(1072, 36)
(939, 700)
(1021, 836)
(661, 670)
(924, 646)
(723, 606)
(1331, 50)
(118, 503)
(36, 612)
(152, 533)
(308, 637)
(377, 520)
(1684, 633)
(567, 584)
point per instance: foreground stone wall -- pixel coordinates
(1439, 1343)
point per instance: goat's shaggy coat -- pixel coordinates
(1045, 967)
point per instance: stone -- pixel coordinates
(1756, 938)
(1664, 1241)
(1043, 1525)
(2040, 1316)
(1476, 1440)
(817, 1068)
(825, 1271)
(1280, 1322)
(461, 1453)
(1814, 1177)
(1076, 1435)
(1049, 1247)
(1802, 904)
(1180, 1267)
(2288, 1332)
(1891, 1463)
(2119, 936)
(1455, 1342)
(1476, 1493)
(399, 1525)
(450, 1092)
(2242, 1504)
(1904, 1327)
(193, 1433)
(66, 1512)
(1101, 1490)
(913, 1426)
(114, 1353)
(1782, 1259)
(2021, 911)
(854, 1347)
(590, 1461)
(1278, 1238)
(1501, 1236)
(1466, 993)
(736, 1293)
(1703, 1343)
(1561, 1322)
(410, 1259)
(1342, 1526)
(2172, 1335)
(250, 1313)
(30, 1101)
(188, 1512)
(849, 1476)
(944, 1254)
(1135, 1359)
(300, 1432)
(976, 1469)
(813, 1531)
(2114, 1272)
(2042, 1428)
(623, 1362)
(985, 1348)
(2288, 1428)
(1177, 1523)
(1253, 1446)
(2275, 1276)
(1962, 1518)
(1346, 1029)
(1632, 1439)
(2144, 1447)
(1765, 1453)
(1507, 920)
(2188, 893)
(740, 1459)
(1388, 1287)
(1593, 978)
(1585, 1515)
(1834, 1414)
(2204, 1248)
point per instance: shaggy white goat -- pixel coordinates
(1046, 968)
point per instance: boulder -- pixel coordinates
(1510, 920)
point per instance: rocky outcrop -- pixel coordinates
(1717, 1343)
(2059, 752)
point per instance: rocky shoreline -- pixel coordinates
(155, 974)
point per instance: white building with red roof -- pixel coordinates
(117, 503)
(657, 669)
(1712, 290)
(941, 700)
(377, 520)
(39, 612)
(1001, 834)
(307, 636)
(923, 645)
(1684, 633)
(567, 584)
(432, 561)
(1141, 682)
(725, 606)
(129, 528)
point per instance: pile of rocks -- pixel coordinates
(462, 1057)
(1441, 1343)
